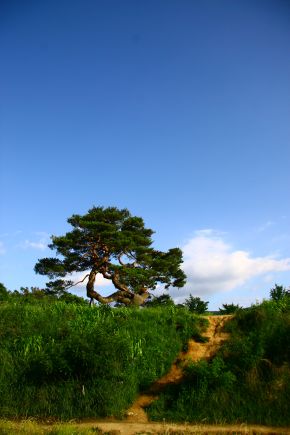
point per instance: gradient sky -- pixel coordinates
(178, 110)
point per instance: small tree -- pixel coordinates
(278, 292)
(196, 305)
(111, 242)
(229, 308)
(4, 293)
(164, 300)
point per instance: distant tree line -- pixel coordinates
(36, 294)
(194, 304)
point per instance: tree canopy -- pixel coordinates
(196, 305)
(113, 243)
(279, 292)
(229, 308)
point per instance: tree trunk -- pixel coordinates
(123, 295)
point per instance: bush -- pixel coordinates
(4, 294)
(278, 292)
(229, 308)
(196, 305)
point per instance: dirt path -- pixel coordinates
(195, 352)
(137, 422)
(127, 428)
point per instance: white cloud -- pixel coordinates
(41, 244)
(79, 276)
(2, 248)
(212, 266)
(209, 232)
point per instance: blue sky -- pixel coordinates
(177, 110)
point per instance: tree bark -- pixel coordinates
(123, 295)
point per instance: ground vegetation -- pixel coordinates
(247, 381)
(69, 360)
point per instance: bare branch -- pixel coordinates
(107, 275)
(120, 259)
(129, 255)
(76, 283)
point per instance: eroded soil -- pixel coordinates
(195, 352)
(136, 422)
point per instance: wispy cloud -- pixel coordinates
(213, 266)
(12, 234)
(265, 226)
(79, 276)
(209, 232)
(40, 243)
(2, 248)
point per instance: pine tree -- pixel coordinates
(111, 242)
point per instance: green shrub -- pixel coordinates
(196, 305)
(229, 308)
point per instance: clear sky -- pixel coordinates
(176, 109)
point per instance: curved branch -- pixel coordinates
(107, 275)
(76, 283)
(122, 295)
(134, 264)
(119, 285)
(120, 259)
(117, 296)
(104, 271)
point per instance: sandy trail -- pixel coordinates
(131, 428)
(127, 428)
(195, 352)
(137, 420)
(137, 423)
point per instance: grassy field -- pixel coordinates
(72, 361)
(69, 361)
(30, 427)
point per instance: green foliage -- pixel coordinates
(248, 381)
(73, 361)
(162, 300)
(229, 308)
(278, 293)
(196, 305)
(30, 427)
(4, 294)
(117, 245)
(38, 296)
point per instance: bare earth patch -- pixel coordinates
(195, 352)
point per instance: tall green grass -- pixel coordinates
(248, 381)
(73, 361)
(30, 427)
